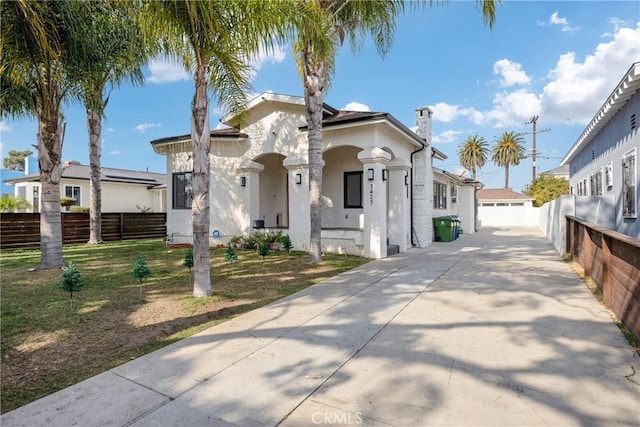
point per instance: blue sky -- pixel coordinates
(556, 60)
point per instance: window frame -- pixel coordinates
(628, 193)
(595, 183)
(347, 176)
(78, 199)
(439, 195)
(184, 201)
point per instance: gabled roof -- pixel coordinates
(233, 134)
(277, 98)
(344, 117)
(496, 194)
(74, 170)
(627, 87)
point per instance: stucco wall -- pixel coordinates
(499, 216)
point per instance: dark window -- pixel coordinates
(353, 190)
(596, 183)
(439, 195)
(629, 185)
(182, 190)
(72, 191)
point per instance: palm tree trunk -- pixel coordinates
(315, 78)
(94, 123)
(506, 175)
(49, 158)
(201, 141)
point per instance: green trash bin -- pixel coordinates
(445, 228)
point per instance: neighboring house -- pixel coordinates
(30, 165)
(122, 190)
(559, 172)
(603, 161)
(377, 178)
(498, 207)
(455, 195)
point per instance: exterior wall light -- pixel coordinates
(243, 181)
(298, 178)
(370, 174)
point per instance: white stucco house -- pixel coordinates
(603, 161)
(377, 178)
(455, 195)
(122, 190)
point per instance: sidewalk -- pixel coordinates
(492, 329)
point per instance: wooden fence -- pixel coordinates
(22, 230)
(612, 261)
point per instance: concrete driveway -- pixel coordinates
(493, 329)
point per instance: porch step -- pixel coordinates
(393, 249)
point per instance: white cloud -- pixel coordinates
(4, 127)
(271, 56)
(577, 89)
(555, 19)
(115, 152)
(356, 106)
(511, 73)
(110, 129)
(443, 112)
(165, 69)
(574, 90)
(142, 127)
(447, 137)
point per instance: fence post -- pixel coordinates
(587, 250)
(567, 237)
(607, 290)
(121, 225)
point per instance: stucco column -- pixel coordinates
(248, 183)
(374, 201)
(299, 220)
(399, 213)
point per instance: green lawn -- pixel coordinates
(45, 346)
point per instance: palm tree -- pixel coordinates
(508, 150)
(33, 83)
(322, 28)
(105, 49)
(11, 204)
(215, 39)
(473, 153)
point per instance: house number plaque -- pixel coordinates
(371, 194)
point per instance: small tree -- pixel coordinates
(263, 250)
(11, 204)
(71, 282)
(188, 259)
(141, 270)
(230, 256)
(547, 188)
(286, 243)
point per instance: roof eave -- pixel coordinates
(627, 87)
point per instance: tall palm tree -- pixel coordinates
(105, 49)
(34, 83)
(508, 150)
(321, 30)
(473, 153)
(215, 39)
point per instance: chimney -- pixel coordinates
(423, 123)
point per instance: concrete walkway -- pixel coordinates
(490, 330)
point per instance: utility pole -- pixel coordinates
(534, 120)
